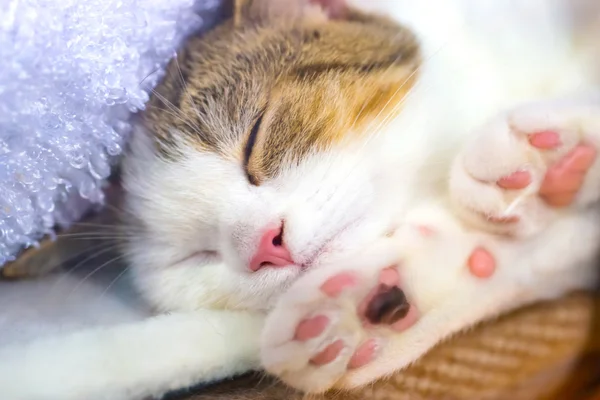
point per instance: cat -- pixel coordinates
(328, 189)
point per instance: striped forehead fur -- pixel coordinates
(313, 84)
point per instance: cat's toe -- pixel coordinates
(545, 140)
(365, 354)
(565, 178)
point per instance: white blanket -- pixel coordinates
(71, 73)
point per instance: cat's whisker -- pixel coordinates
(95, 270)
(377, 130)
(73, 256)
(122, 214)
(360, 153)
(95, 225)
(104, 234)
(91, 227)
(155, 70)
(118, 211)
(104, 248)
(352, 126)
(185, 90)
(331, 162)
(400, 87)
(390, 67)
(114, 281)
(174, 115)
(98, 238)
(417, 70)
(381, 124)
(175, 112)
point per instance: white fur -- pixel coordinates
(483, 88)
(437, 281)
(132, 361)
(483, 60)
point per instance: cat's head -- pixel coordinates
(260, 154)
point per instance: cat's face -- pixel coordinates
(266, 161)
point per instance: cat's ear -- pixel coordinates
(285, 10)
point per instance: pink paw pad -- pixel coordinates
(425, 230)
(481, 263)
(564, 179)
(311, 328)
(515, 181)
(328, 354)
(545, 140)
(364, 354)
(335, 285)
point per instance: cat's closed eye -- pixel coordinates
(248, 150)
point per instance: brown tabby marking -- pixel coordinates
(313, 89)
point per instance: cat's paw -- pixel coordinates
(522, 167)
(337, 321)
(323, 326)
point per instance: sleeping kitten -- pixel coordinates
(371, 188)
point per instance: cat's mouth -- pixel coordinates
(325, 247)
(315, 256)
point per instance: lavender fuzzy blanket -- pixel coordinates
(71, 74)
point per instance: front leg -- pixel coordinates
(361, 319)
(353, 322)
(133, 361)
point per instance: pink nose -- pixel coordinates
(271, 251)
